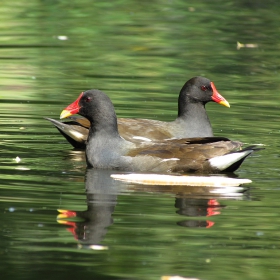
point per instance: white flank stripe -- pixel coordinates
(167, 159)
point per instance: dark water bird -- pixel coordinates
(192, 119)
(106, 149)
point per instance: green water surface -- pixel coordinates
(140, 53)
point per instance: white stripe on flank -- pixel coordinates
(167, 159)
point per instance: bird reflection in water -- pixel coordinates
(192, 207)
(89, 227)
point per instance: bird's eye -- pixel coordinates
(88, 99)
(204, 88)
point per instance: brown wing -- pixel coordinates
(135, 130)
(191, 154)
(130, 129)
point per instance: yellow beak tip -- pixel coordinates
(64, 114)
(225, 103)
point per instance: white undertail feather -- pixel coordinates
(225, 161)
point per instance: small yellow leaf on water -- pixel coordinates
(240, 45)
(22, 127)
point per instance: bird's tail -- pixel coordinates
(232, 161)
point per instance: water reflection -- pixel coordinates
(101, 199)
(195, 207)
(89, 227)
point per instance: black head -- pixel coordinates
(199, 90)
(94, 105)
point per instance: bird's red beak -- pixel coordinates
(216, 97)
(71, 109)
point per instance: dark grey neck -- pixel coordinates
(104, 135)
(98, 129)
(105, 148)
(103, 123)
(193, 117)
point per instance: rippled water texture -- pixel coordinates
(140, 53)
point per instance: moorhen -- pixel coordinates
(192, 120)
(106, 149)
